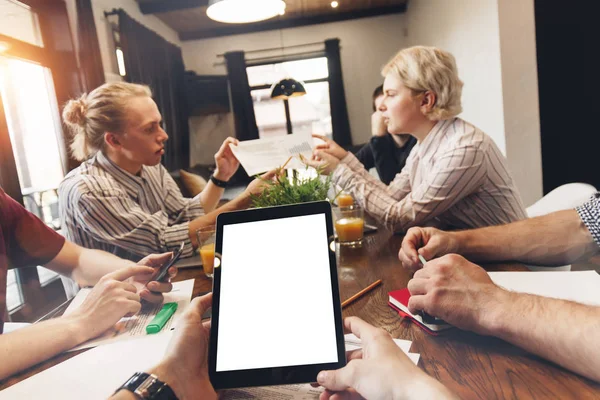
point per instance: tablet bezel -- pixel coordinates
(275, 375)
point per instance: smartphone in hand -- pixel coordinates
(161, 272)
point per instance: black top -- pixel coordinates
(383, 153)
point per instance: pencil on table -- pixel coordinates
(361, 293)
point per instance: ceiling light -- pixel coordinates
(244, 11)
(286, 88)
(334, 4)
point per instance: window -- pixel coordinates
(308, 113)
(19, 22)
(34, 135)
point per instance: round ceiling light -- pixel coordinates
(244, 11)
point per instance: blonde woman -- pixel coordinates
(455, 177)
(121, 199)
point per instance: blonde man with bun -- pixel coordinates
(455, 176)
(121, 199)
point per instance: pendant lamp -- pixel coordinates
(286, 88)
(244, 11)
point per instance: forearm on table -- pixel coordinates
(554, 239)
(85, 266)
(39, 342)
(560, 331)
(210, 196)
(239, 203)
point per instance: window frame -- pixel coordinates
(282, 59)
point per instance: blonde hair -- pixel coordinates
(422, 68)
(102, 110)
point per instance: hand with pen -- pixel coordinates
(326, 155)
(449, 287)
(427, 242)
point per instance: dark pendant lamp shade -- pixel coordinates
(286, 88)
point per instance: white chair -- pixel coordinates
(564, 197)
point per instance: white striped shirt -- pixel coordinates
(102, 206)
(455, 178)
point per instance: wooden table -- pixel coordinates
(473, 366)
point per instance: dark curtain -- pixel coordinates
(241, 102)
(243, 108)
(151, 60)
(90, 60)
(337, 95)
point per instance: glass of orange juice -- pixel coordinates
(349, 225)
(206, 246)
(344, 200)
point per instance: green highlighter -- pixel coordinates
(161, 318)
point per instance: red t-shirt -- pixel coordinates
(24, 241)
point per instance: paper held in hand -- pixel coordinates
(262, 155)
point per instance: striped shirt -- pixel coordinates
(102, 206)
(455, 178)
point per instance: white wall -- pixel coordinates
(107, 50)
(520, 96)
(494, 45)
(366, 45)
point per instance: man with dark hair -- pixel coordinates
(387, 153)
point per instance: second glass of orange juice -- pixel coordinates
(349, 225)
(206, 246)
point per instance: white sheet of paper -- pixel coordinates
(135, 326)
(580, 286)
(353, 343)
(94, 374)
(262, 155)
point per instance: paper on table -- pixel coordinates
(353, 343)
(128, 328)
(580, 286)
(94, 374)
(304, 391)
(266, 154)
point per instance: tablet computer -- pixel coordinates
(276, 314)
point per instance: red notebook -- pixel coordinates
(398, 300)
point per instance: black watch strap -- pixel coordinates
(148, 386)
(218, 182)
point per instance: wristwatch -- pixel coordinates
(147, 386)
(218, 182)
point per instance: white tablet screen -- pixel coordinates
(276, 301)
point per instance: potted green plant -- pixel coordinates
(293, 189)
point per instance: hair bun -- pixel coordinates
(75, 111)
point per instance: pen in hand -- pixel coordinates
(428, 319)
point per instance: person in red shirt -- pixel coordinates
(119, 287)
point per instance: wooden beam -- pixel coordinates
(291, 22)
(162, 6)
(18, 48)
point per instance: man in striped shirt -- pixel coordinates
(455, 177)
(121, 199)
